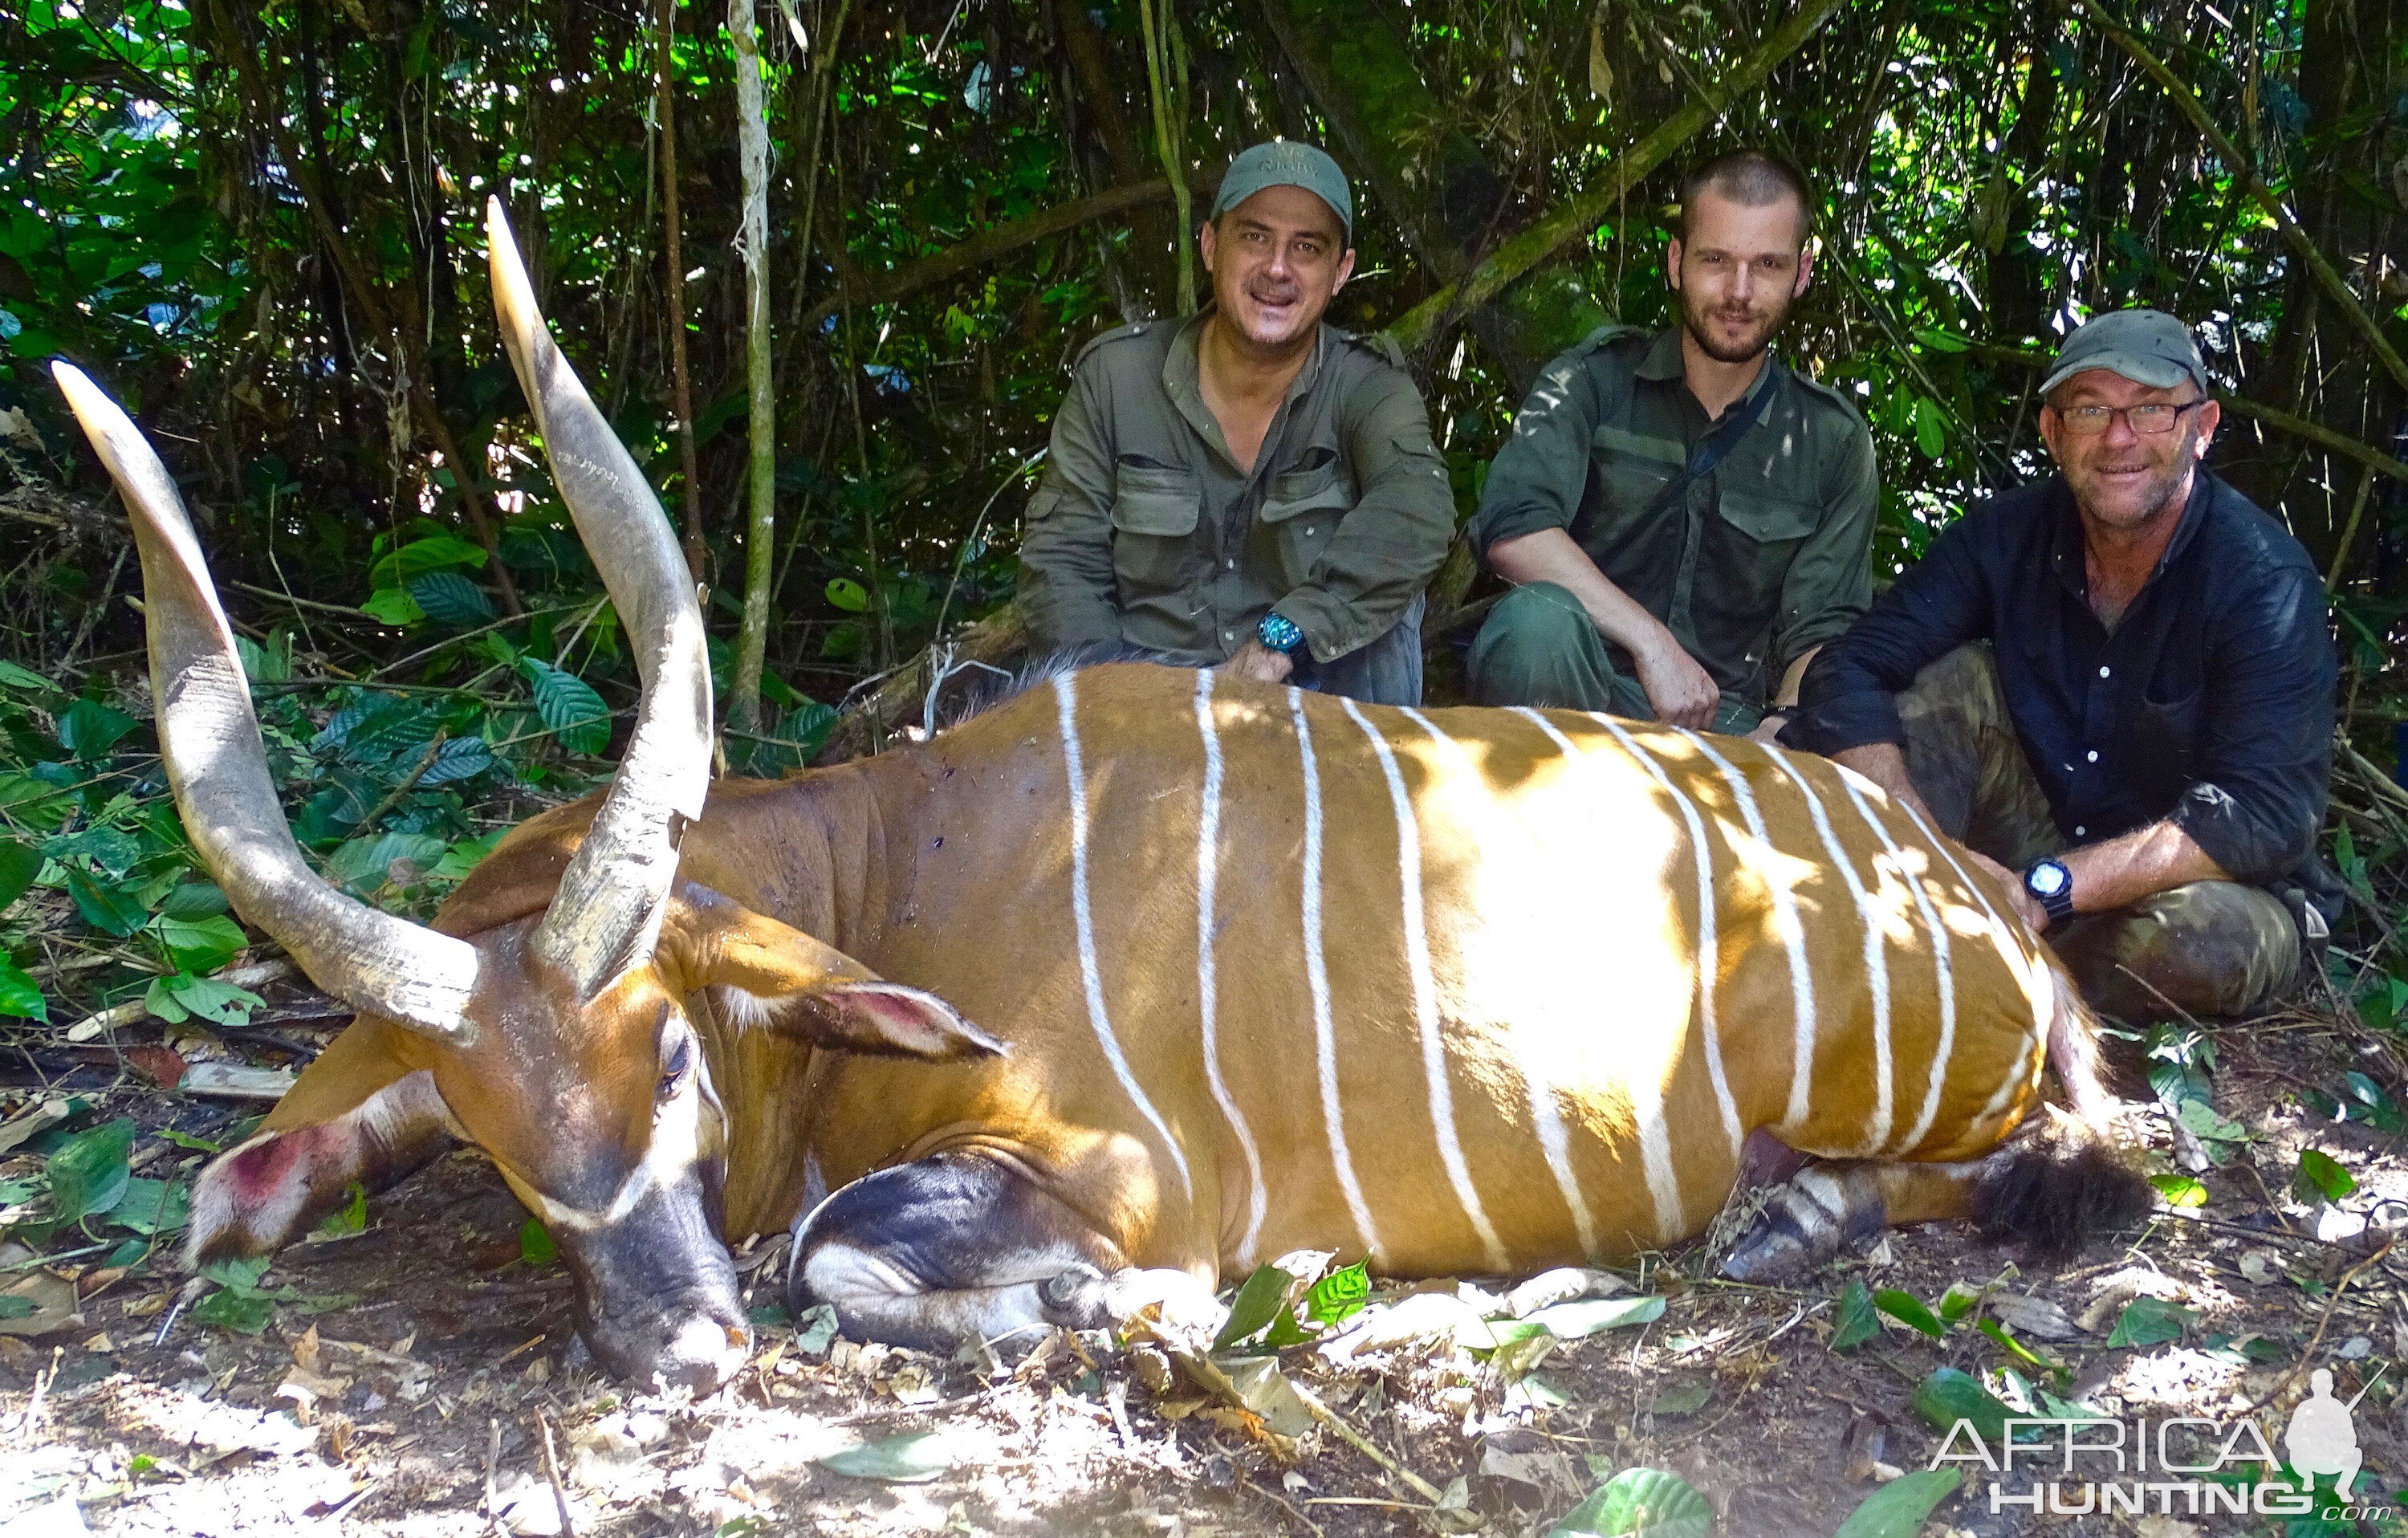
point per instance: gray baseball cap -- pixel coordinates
(2145, 346)
(1285, 162)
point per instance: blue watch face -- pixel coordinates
(2047, 879)
(1278, 632)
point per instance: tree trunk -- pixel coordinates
(760, 529)
(674, 252)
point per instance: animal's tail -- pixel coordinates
(2064, 1178)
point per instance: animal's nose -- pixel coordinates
(702, 1355)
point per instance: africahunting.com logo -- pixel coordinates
(2175, 1466)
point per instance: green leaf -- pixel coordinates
(366, 864)
(153, 1206)
(1639, 1504)
(199, 945)
(464, 855)
(451, 601)
(88, 1173)
(351, 1217)
(20, 863)
(111, 910)
(270, 664)
(89, 728)
(907, 1460)
(1898, 1509)
(2150, 1321)
(194, 900)
(183, 996)
(1582, 1318)
(2202, 1119)
(569, 705)
(2016, 1348)
(535, 1246)
(392, 606)
(19, 996)
(1940, 342)
(12, 1306)
(26, 680)
(1958, 1302)
(850, 596)
(1339, 1295)
(2321, 1175)
(1256, 1304)
(1908, 1310)
(244, 1312)
(1951, 1395)
(240, 1272)
(815, 1331)
(420, 556)
(1931, 432)
(2181, 1190)
(1854, 1323)
(458, 758)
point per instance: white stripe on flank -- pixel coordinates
(1417, 962)
(1876, 952)
(1708, 953)
(1208, 847)
(1786, 924)
(1646, 1098)
(1945, 971)
(1065, 694)
(1316, 976)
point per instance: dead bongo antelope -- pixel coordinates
(1252, 970)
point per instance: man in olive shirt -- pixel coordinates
(1688, 520)
(1247, 488)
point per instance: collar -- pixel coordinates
(2068, 558)
(1664, 364)
(1183, 381)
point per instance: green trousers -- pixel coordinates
(1539, 647)
(2212, 948)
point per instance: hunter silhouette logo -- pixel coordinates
(2323, 1437)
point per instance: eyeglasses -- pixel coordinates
(2090, 421)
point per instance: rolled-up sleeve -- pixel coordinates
(1391, 543)
(1830, 580)
(1539, 477)
(1848, 698)
(1067, 587)
(2259, 796)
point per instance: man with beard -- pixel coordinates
(1247, 488)
(2117, 688)
(1685, 519)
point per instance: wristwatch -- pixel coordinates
(2051, 886)
(1278, 633)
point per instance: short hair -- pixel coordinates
(1752, 179)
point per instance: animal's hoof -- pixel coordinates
(1768, 1251)
(1077, 1297)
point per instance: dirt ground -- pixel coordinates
(436, 1394)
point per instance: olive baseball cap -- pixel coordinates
(1285, 162)
(2145, 346)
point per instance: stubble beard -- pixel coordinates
(1696, 321)
(2156, 493)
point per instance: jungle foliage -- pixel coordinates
(260, 226)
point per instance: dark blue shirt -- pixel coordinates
(2211, 704)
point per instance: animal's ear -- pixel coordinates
(362, 1114)
(764, 974)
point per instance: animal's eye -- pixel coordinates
(675, 1068)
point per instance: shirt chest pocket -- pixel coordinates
(1301, 509)
(1631, 471)
(1155, 512)
(1749, 546)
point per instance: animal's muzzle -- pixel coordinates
(656, 1295)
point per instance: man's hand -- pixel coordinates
(2022, 900)
(1254, 660)
(1767, 731)
(1682, 693)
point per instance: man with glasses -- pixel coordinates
(2116, 688)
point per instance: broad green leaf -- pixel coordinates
(108, 908)
(240, 1272)
(351, 1217)
(2150, 1321)
(20, 995)
(1931, 432)
(1958, 1302)
(458, 758)
(366, 864)
(907, 1460)
(850, 596)
(451, 601)
(271, 664)
(2202, 1119)
(88, 1173)
(244, 1312)
(1854, 1323)
(815, 1331)
(464, 855)
(15, 1307)
(20, 863)
(111, 850)
(89, 728)
(1908, 1310)
(1256, 1304)
(1950, 1395)
(25, 681)
(1898, 1509)
(183, 996)
(535, 1246)
(420, 556)
(199, 945)
(153, 1206)
(2181, 1190)
(1338, 1296)
(569, 705)
(2321, 1175)
(1940, 342)
(1590, 1315)
(2016, 1348)
(1639, 1504)
(194, 899)
(392, 606)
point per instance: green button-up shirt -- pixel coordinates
(1145, 531)
(1763, 559)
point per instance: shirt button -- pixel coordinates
(2079, 830)
(2103, 672)
(1228, 635)
(1230, 565)
(2093, 756)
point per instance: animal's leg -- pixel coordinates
(1826, 1209)
(958, 1246)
